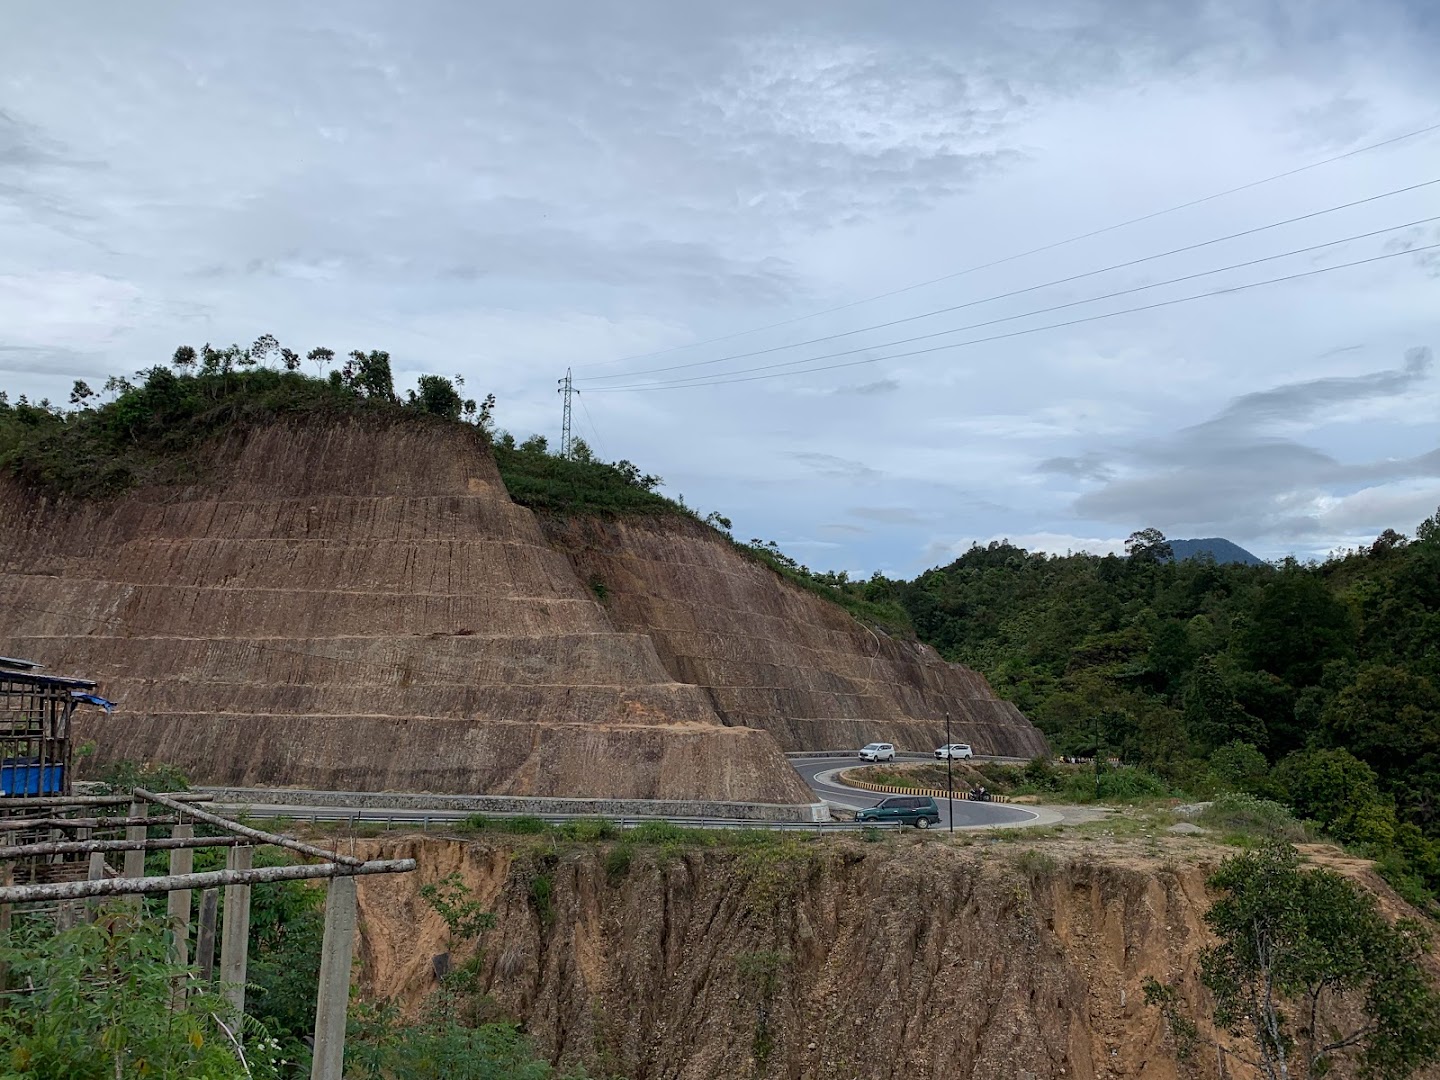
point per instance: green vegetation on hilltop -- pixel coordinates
(579, 484)
(872, 601)
(1317, 686)
(157, 427)
(160, 427)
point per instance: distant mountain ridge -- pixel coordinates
(1218, 548)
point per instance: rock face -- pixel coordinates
(355, 607)
(776, 657)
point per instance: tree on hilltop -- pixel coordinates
(1149, 546)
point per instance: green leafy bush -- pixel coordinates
(1242, 815)
(102, 1007)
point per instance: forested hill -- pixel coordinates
(1178, 658)
(1168, 661)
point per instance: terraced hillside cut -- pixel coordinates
(357, 604)
(776, 657)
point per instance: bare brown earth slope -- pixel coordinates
(911, 957)
(777, 657)
(359, 605)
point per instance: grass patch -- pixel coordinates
(617, 862)
(1035, 863)
(1246, 819)
(542, 897)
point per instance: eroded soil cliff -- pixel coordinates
(911, 957)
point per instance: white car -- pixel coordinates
(956, 751)
(878, 751)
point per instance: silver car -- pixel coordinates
(878, 751)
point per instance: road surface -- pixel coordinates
(820, 774)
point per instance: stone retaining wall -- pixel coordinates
(507, 804)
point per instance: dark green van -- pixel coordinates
(918, 810)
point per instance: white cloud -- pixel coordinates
(511, 191)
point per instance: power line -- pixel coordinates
(593, 429)
(1046, 310)
(1021, 292)
(1032, 251)
(714, 381)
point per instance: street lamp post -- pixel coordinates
(949, 772)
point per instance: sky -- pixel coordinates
(672, 198)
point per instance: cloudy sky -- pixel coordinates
(674, 198)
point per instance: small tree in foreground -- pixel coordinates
(98, 1001)
(1301, 949)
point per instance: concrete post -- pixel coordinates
(96, 872)
(135, 860)
(7, 877)
(205, 936)
(182, 861)
(328, 1062)
(235, 934)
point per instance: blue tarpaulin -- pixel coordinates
(92, 699)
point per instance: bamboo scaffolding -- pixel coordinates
(8, 825)
(121, 886)
(245, 830)
(42, 801)
(85, 847)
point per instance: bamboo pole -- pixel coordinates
(85, 847)
(245, 830)
(31, 802)
(13, 824)
(75, 890)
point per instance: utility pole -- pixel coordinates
(566, 389)
(949, 772)
(1097, 757)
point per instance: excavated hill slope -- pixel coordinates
(913, 957)
(357, 604)
(777, 657)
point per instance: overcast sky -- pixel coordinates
(502, 190)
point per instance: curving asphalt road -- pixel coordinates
(819, 773)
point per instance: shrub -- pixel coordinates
(1041, 774)
(1240, 766)
(617, 862)
(1035, 863)
(1341, 793)
(590, 830)
(1124, 784)
(525, 825)
(1245, 815)
(542, 896)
